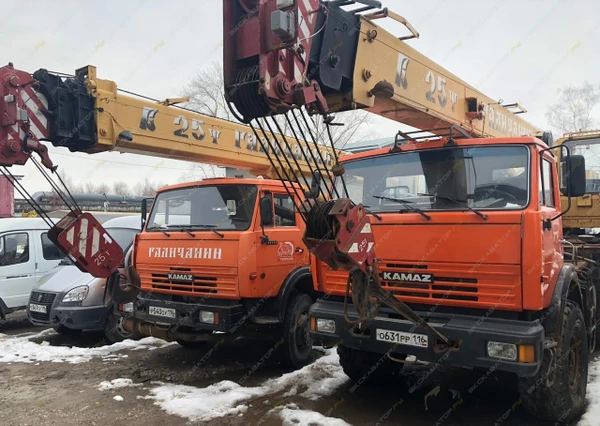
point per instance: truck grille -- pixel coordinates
(40, 298)
(476, 286)
(215, 281)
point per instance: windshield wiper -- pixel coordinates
(159, 228)
(209, 227)
(406, 203)
(183, 228)
(462, 203)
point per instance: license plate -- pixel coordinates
(162, 312)
(38, 308)
(403, 338)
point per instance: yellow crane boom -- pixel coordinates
(114, 121)
(423, 94)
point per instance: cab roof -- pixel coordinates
(22, 223)
(442, 143)
(27, 223)
(272, 183)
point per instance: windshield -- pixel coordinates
(492, 177)
(590, 149)
(220, 207)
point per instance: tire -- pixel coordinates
(563, 399)
(63, 330)
(113, 329)
(368, 368)
(297, 341)
(2, 317)
(191, 345)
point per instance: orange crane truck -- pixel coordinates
(450, 242)
(223, 254)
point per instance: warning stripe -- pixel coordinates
(82, 236)
(70, 235)
(14, 132)
(38, 122)
(39, 100)
(35, 110)
(95, 241)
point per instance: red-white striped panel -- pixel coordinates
(34, 103)
(77, 236)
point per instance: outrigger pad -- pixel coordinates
(87, 243)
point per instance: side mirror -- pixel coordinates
(266, 211)
(144, 211)
(573, 176)
(315, 185)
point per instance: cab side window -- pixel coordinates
(49, 250)
(14, 249)
(547, 192)
(284, 210)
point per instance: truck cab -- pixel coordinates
(224, 254)
(474, 246)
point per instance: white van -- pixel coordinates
(26, 255)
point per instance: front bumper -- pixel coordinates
(230, 317)
(470, 332)
(69, 315)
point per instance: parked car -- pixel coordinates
(71, 301)
(26, 255)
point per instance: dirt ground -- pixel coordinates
(50, 393)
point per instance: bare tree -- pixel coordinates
(72, 186)
(347, 127)
(102, 188)
(121, 188)
(147, 188)
(573, 112)
(90, 187)
(201, 171)
(205, 92)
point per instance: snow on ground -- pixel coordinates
(291, 415)
(118, 398)
(216, 400)
(23, 349)
(117, 384)
(321, 378)
(592, 413)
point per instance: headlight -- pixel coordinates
(502, 350)
(208, 317)
(77, 294)
(325, 325)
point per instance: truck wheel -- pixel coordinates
(2, 317)
(113, 329)
(368, 368)
(557, 392)
(297, 341)
(63, 330)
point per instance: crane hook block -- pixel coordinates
(87, 243)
